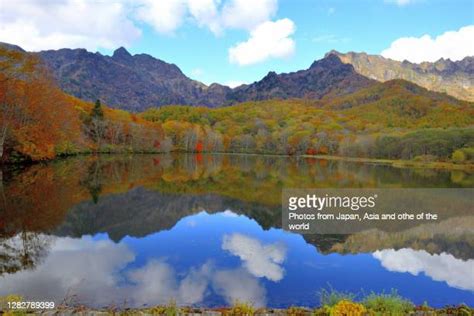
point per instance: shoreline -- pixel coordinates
(355, 309)
(437, 165)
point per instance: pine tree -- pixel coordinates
(97, 111)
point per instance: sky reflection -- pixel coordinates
(213, 260)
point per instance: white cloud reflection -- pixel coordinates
(456, 273)
(239, 285)
(259, 259)
(96, 273)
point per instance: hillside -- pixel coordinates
(454, 78)
(417, 120)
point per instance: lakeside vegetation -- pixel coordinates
(396, 120)
(331, 303)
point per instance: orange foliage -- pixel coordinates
(199, 147)
(39, 121)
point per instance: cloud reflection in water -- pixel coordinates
(97, 273)
(456, 273)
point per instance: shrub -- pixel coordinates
(171, 309)
(331, 297)
(391, 304)
(296, 311)
(459, 156)
(242, 309)
(469, 152)
(346, 307)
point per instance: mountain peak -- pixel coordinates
(121, 53)
(332, 52)
(330, 60)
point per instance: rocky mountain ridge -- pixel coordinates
(137, 82)
(455, 78)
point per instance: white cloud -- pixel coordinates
(168, 15)
(248, 14)
(444, 267)
(205, 12)
(267, 40)
(165, 15)
(38, 25)
(260, 260)
(454, 45)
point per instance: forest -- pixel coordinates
(392, 120)
(396, 125)
(38, 121)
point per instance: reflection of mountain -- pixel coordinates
(140, 212)
(454, 236)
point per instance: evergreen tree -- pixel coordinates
(97, 111)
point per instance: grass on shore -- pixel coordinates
(332, 303)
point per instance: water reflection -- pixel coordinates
(260, 260)
(238, 260)
(204, 230)
(443, 267)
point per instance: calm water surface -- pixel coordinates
(205, 230)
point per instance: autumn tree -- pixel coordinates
(34, 117)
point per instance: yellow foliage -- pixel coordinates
(347, 308)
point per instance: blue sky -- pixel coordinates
(231, 41)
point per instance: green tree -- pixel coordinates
(97, 111)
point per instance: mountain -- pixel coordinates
(128, 82)
(142, 81)
(454, 78)
(138, 82)
(328, 76)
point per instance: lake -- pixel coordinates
(205, 230)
